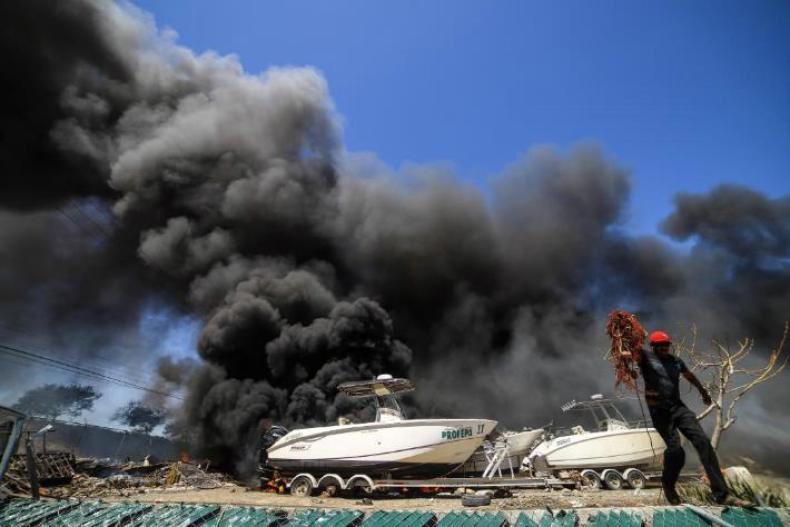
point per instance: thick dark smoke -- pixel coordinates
(52, 54)
(232, 198)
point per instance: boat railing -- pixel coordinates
(600, 427)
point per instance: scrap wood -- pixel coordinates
(628, 337)
(173, 475)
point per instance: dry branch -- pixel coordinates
(725, 379)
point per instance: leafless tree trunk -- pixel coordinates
(726, 380)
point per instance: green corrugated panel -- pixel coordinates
(329, 518)
(93, 514)
(524, 520)
(304, 518)
(243, 516)
(559, 519)
(493, 520)
(175, 515)
(117, 515)
(452, 519)
(463, 519)
(377, 519)
(77, 515)
(751, 518)
(344, 518)
(399, 519)
(22, 513)
(615, 519)
(13, 511)
(565, 519)
(677, 518)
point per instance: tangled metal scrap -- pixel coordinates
(628, 337)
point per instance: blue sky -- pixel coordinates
(684, 94)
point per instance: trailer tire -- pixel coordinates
(361, 485)
(330, 484)
(612, 479)
(302, 486)
(591, 478)
(475, 501)
(635, 478)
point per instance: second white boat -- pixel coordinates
(613, 443)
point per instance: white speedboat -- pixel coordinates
(612, 444)
(391, 446)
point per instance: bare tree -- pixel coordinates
(722, 372)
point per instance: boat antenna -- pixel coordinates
(568, 406)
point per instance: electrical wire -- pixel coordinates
(96, 360)
(74, 368)
(91, 219)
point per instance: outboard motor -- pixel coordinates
(273, 435)
(270, 437)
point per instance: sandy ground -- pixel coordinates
(521, 499)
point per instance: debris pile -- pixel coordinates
(91, 478)
(52, 468)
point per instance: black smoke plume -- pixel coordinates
(229, 196)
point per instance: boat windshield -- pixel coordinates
(383, 390)
(606, 416)
(388, 409)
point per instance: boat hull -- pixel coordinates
(639, 448)
(420, 448)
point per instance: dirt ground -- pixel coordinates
(234, 494)
(521, 499)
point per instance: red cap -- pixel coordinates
(659, 337)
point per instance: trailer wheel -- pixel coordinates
(362, 490)
(635, 478)
(590, 478)
(361, 485)
(612, 479)
(302, 486)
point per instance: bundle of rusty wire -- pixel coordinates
(627, 336)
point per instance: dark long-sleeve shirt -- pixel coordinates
(661, 372)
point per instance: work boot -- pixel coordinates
(672, 497)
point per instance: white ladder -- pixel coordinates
(496, 454)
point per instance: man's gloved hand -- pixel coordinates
(706, 397)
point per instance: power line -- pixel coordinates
(29, 361)
(74, 368)
(92, 219)
(94, 235)
(96, 361)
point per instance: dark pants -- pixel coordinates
(667, 421)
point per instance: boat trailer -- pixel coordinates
(304, 484)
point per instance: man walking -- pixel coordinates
(661, 372)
